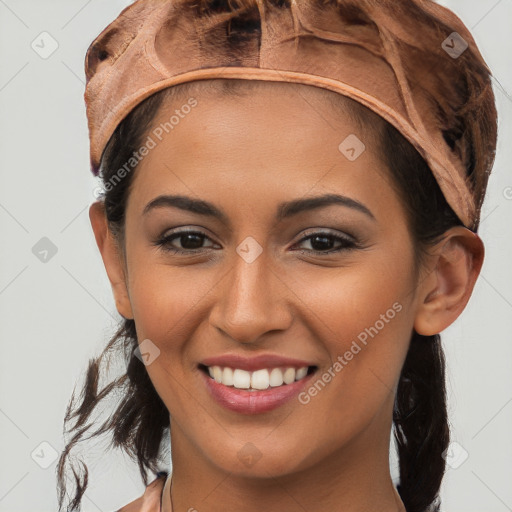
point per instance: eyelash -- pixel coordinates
(348, 243)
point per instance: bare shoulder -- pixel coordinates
(150, 500)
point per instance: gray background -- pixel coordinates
(55, 315)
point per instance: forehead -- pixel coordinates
(238, 109)
(294, 95)
(270, 136)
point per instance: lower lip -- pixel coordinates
(254, 402)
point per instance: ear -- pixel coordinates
(112, 258)
(454, 265)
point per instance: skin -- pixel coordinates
(246, 155)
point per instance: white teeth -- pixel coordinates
(260, 379)
(241, 379)
(227, 376)
(257, 380)
(289, 375)
(217, 374)
(301, 373)
(276, 377)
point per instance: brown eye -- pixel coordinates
(191, 242)
(322, 243)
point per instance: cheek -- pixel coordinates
(366, 337)
(165, 304)
(348, 301)
(163, 298)
(363, 316)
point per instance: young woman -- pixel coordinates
(292, 195)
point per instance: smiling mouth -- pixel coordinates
(258, 380)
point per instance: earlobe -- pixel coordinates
(111, 259)
(444, 293)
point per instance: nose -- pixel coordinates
(252, 301)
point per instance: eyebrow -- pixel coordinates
(284, 210)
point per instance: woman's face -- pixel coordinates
(252, 284)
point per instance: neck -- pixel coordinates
(355, 478)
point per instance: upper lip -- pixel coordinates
(254, 362)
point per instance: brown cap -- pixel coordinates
(413, 62)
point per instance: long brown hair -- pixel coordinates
(139, 424)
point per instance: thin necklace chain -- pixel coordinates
(170, 492)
